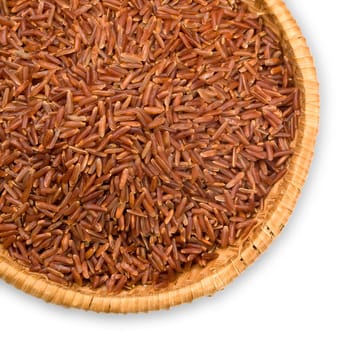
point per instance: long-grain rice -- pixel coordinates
(137, 137)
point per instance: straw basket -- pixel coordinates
(232, 261)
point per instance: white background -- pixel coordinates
(296, 296)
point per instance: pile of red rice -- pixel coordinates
(137, 137)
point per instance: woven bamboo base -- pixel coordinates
(232, 261)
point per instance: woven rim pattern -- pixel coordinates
(232, 261)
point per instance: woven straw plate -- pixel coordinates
(232, 261)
